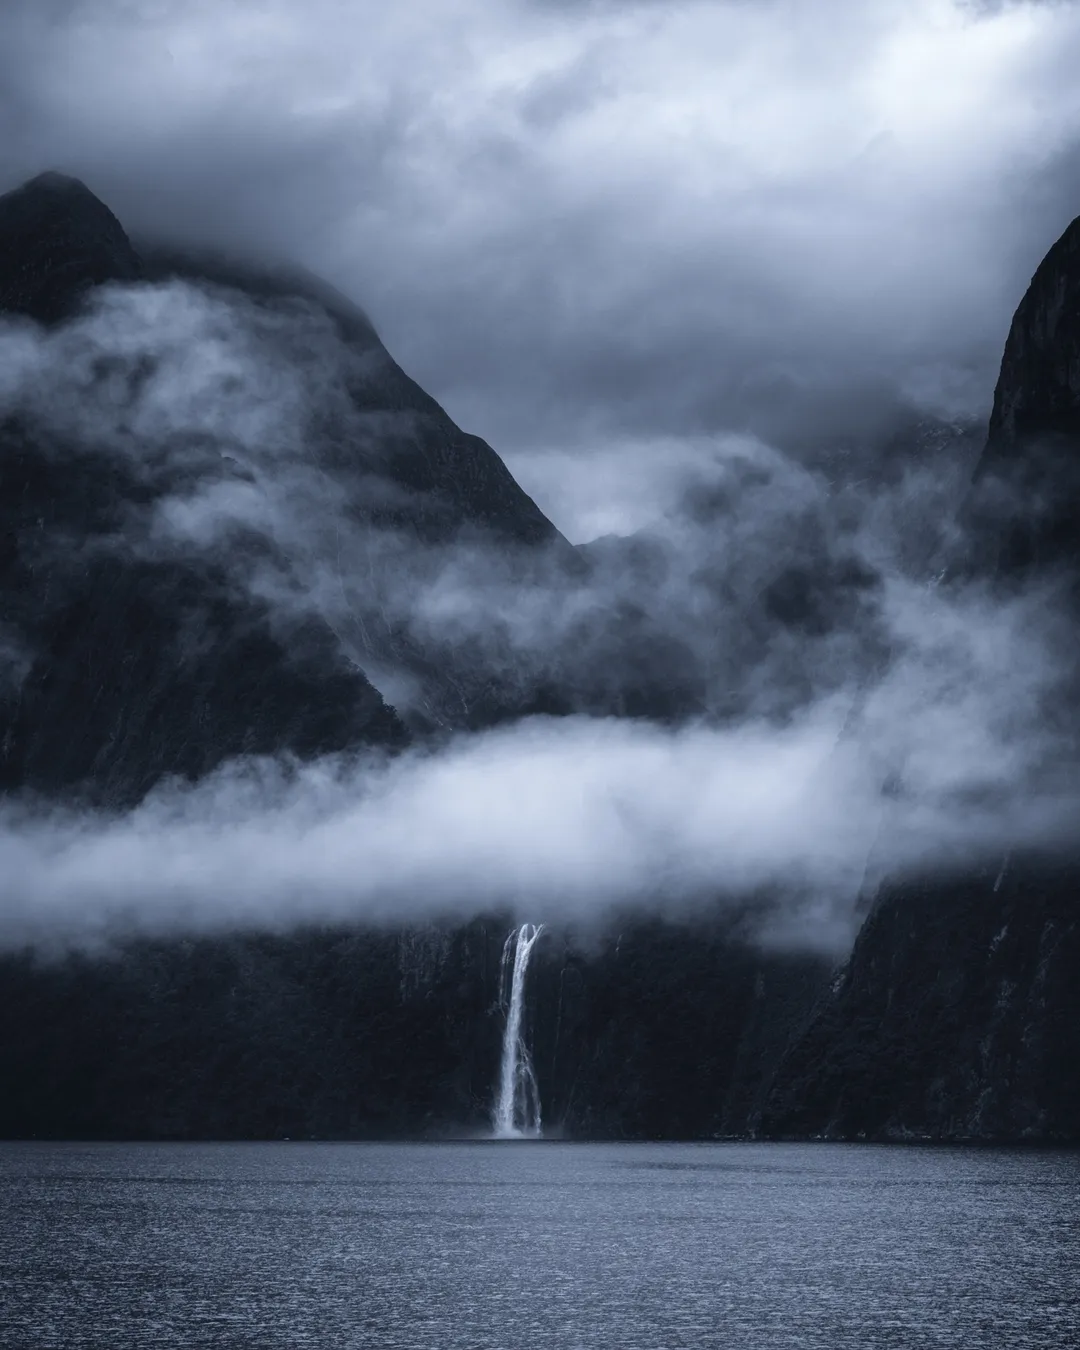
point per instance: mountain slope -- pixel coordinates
(122, 661)
(957, 1014)
(956, 1017)
(121, 667)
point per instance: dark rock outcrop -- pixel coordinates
(1038, 391)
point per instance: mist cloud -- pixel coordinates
(946, 762)
(755, 589)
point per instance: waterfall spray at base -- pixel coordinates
(517, 1106)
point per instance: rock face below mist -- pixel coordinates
(957, 1017)
(652, 1031)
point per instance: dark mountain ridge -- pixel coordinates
(144, 667)
(120, 692)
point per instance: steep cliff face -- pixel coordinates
(1025, 500)
(1038, 391)
(957, 1015)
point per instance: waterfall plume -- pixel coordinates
(517, 1104)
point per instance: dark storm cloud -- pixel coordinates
(585, 225)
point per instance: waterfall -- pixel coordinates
(517, 1106)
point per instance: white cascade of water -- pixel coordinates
(517, 1105)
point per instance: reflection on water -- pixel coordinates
(536, 1245)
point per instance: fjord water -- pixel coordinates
(520, 1245)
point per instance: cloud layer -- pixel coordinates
(945, 762)
(858, 717)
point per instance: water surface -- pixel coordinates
(523, 1245)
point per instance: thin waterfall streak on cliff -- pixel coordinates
(517, 1106)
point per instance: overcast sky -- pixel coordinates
(596, 231)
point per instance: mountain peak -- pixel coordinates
(1038, 391)
(52, 180)
(57, 240)
(1026, 493)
